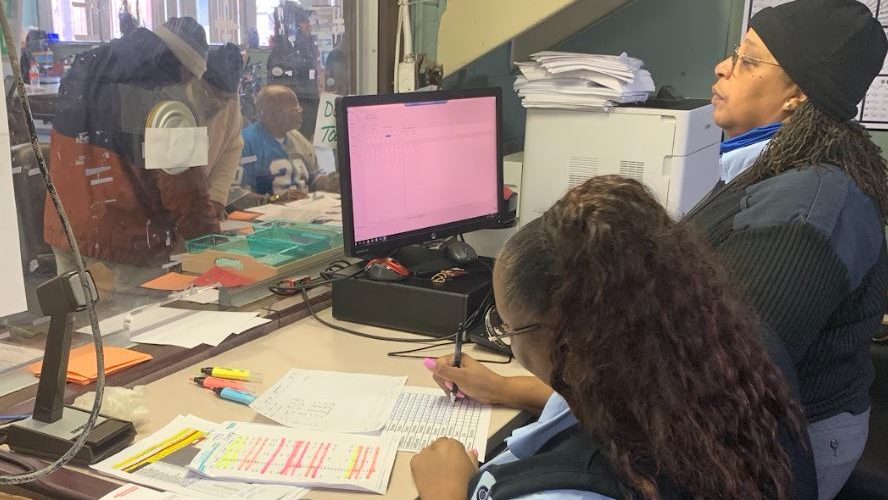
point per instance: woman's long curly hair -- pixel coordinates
(811, 138)
(657, 357)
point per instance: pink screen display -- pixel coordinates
(420, 165)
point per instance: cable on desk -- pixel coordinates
(12, 49)
(329, 275)
(8, 419)
(409, 354)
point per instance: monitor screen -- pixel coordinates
(419, 167)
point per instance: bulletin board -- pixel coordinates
(872, 112)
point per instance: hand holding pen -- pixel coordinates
(457, 361)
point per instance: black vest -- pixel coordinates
(572, 460)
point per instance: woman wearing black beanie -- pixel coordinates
(801, 225)
(798, 218)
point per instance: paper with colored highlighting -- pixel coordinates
(161, 461)
(423, 414)
(331, 401)
(272, 454)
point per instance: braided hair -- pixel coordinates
(658, 358)
(810, 137)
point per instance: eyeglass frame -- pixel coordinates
(736, 56)
(495, 336)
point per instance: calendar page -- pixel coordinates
(872, 111)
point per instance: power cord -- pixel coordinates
(329, 275)
(30, 476)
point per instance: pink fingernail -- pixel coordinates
(460, 395)
(430, 363)
(448, 385)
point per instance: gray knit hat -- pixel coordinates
(187, 40)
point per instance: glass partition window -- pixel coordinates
(181, 137)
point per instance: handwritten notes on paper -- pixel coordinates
(331, 401)
(325, 127)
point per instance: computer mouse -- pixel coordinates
(460, 252)
(385, 270)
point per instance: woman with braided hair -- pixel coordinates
(797, 219)
(663, 384)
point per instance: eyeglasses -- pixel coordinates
(501, 333)
(736, 56)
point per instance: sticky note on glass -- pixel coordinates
(171, 148)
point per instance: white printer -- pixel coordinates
(672, 148)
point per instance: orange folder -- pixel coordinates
(169, 282)
(243, 216)
(82, 363)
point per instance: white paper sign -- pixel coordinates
(12, 292)
(183, 147)
(325, 127)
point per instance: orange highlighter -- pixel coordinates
(219, 383)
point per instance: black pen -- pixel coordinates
(457, 360)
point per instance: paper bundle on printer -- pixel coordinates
(571, 80)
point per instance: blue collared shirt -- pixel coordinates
(526, 441)
(739, 153)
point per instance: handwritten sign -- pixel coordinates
(325, 127)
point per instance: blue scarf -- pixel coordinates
(755, 135)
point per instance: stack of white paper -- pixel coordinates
(570, 80)
(319, 208)
(178, 327)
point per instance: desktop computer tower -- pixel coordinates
(413, 305)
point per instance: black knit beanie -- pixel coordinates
(833, 49)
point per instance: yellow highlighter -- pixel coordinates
(232, 374)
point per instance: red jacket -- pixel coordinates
(120, 211)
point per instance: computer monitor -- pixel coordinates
(418, 167)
